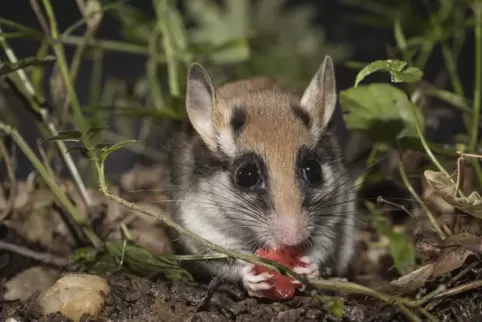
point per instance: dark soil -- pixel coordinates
(139, 299)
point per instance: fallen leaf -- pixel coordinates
(29, 282)
(450, 259)
(58, 92)
(446, 189)
(93, 13)
(410, 282)
(145, 179)
(467, 240)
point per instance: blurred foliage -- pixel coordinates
(267, 37)
(260, 38)
(401, 248)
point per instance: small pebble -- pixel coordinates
(76, 295)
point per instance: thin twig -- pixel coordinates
(13, 182)
(41, 257)
(415, 195)
(62, 62)
(460, 289)
(380, 199)
(40, 17)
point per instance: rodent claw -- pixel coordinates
(255, 283)
(311, 270)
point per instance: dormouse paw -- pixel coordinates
(255, 283)
(310, 269)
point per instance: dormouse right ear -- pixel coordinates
(200, 102)
(319, 98)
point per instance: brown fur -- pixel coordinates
(271, 130)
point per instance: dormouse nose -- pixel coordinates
(287, 230)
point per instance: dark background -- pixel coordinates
(368, 43)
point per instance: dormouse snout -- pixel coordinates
(288, 230)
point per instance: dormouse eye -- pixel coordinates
(247, 175)
(311, 171)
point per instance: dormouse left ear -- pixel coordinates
(319, 98)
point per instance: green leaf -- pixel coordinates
(85, 254)
(74, 136)
(335, 307)
(174, 40)
(402, 250)
(136, 26)
(233, 51)
(380, 111)
(106, 151)
(7, 68)
(94, 131)
(399, 36)
(399, 71)
(131, 258)
(82, 150)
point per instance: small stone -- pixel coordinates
(76, 295)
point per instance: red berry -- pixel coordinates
(283, 288)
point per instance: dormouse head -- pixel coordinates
(280, 160)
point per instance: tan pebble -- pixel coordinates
(75, 295)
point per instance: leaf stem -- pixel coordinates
(60, 54)
(64, 70)
(415, 195)
(414, 98)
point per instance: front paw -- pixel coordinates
(309, 267)
(255, 284)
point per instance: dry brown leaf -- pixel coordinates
(57, 88)
(412, 281)
(434, 199)
(467, 240)
(145, 178)
(93, 13)
(152, 237)
(446, 189)
(29, 282)
(450, 259)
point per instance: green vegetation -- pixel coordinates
(235, 41)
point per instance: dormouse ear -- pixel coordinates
(319, 98)
(200, 101)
